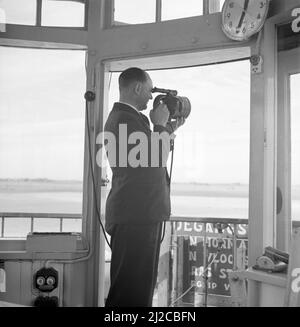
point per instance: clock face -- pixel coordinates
(243, 18)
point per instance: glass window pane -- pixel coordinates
(62, 13)
(295, 137)
(173, 9)
(211, 159)
(46, 225)
(21, 12)
(17, 227)
(42, 124)
(72, 225)
(135, 11)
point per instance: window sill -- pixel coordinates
(15, 249)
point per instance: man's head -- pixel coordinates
(135, 87)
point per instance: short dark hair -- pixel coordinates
(130, 75)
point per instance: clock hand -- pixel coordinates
(246, 12)
(241, 21)
(243, 14)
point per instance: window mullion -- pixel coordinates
(38, 20)
(158, 10)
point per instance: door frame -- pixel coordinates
(263, 142)
(287, 66)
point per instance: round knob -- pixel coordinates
(50, 281)
(40, 281)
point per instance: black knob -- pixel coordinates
(89, 96)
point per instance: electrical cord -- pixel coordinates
(164, 229)
(172, 159)
(89, 96)
(92, 172)
(170, 178)
(89, 252)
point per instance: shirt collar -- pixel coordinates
(130, 105)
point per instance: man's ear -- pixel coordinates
(138, 88)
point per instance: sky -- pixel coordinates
(42, 108)
(42, 113)
(295, 123)
(213, 145)
(42, 117)
(54, 13)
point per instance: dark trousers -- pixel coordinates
(134, 264)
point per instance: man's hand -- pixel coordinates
(160, 115)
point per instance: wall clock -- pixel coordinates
(243, 18)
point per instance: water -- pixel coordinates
(41, 202)
(217, 207)
(71, 202)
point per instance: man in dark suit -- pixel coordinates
(139, 199)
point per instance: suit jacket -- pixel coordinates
(138, 195)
